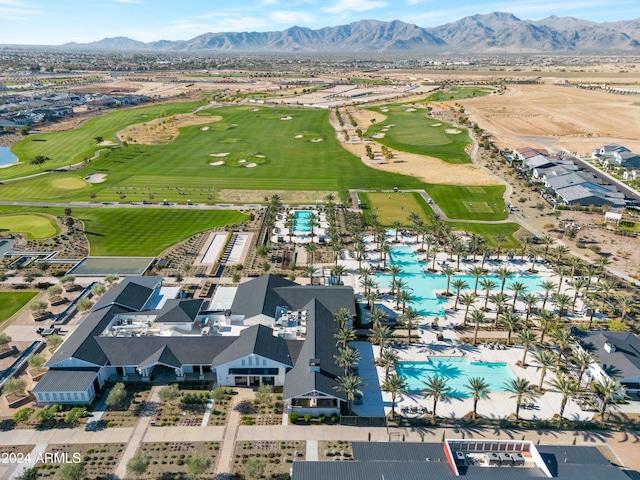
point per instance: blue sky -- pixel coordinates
(54, 22)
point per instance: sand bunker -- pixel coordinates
(453, 131)
(105, 143)
(242, 160)
(257, 156)
(378, 135)
(286, 118)
(251, 165)
(233, 125)
(204, 129)
(384, 110)
(436, 125)
(95, 177)
(316, 140)
(409, 110)
(224, 154)
(217, 164)
(298, 136)
(163, 130)
(254, 110)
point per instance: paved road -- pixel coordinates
(197, 206)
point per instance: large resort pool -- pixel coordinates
(456, 371)
(301, 221)
(425, 287)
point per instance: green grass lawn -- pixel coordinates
(73, 146)
(11, 302)
(181, 170)
(139, 231)
(459, 93)
(470, 203)
(414, 132)
(391, 207)
(34, 226)
(490, 231)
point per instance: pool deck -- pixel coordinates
(500, 404)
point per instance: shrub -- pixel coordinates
(293, 417)
(218, 394)
(263, 395)
(36, 361)
(307, 417)
(53, 341)
(334, 418)
(321, 418)
(169, 392)
(4, 339)
(23, 414)
(15, 386)
(117, 396)
(254, 467)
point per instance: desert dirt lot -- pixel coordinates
(558, 117)
(162, 130)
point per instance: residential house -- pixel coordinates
(607, 151)
(591, 194)
(630, 175)
(622, 159)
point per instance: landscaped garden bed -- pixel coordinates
(127, 415)
(169, 459)
(273, 457)
(335, 450)
(100, 460)
(188, 408)
(263, 410)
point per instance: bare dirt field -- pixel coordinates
(162, 130)
(427, 169)
(557, 117)
(287, 196)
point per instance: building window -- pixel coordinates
(69, 396)
(46, 397)
(264, 362)
(242, 363)
(54, 396)
(250, 361)
(75, 395)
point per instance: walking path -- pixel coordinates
(31, 461)
(224, 461)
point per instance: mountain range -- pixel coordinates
(489, 33)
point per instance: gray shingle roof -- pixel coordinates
(177, 310)
(258, 296)
(622, 363)
(333, 298)
(65, 381)
(163, 355)
(258, 340)
(319, 344)
(131, 293)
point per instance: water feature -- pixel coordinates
(301, 221)
(424, 286)
(456, 371)
(6, 157)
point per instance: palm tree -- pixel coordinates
(436, 387)
(547, 286)
(511, 320)
(546, 321)
(606, 389)
(388, 360)
(627, 304)
(544, 360)
(430, 241)
(347, 358)
(477, 272)
(360, 249)
(405, 296)
(504, 273)
(288, 224)
(314, 221)
(499, 300)
(568, 387)
(384, 251)
(394, 270)
(522, 390)
(561, 251)
(577, 285)
(381, 334)
(547, 241)
(584, 360)
(562, 337)
(458, 249)
(477, 317)
(416, 220)
(467, 299)
(487, 284)
(345, 335)
(561, 272)
(530, 300)
(535, 253)
(434, 252)
(336, 248)
(517, 288)
(458, 284)
(395, 385)
(590, 271)
(397, 224)
(350, 385)
(485, 253)
(399, 286)
(377, 316)
(575, 263)
(562, 301)
(606, 289)
(476, 242)
(338, 271)
(499, 240)
(602, 262)
(371, 299)
(527, 337)
(342, 316)
(309, 270)
(368, 283)
(449, 272)
(310, 249)
(479, 388)
(409, 319)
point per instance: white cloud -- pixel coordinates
(342, 6)
(291, 17)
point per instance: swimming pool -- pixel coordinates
(457, 371)
(301, 221)
(424, 286)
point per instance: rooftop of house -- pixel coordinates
(621, 362)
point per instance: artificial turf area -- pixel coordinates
(470, 203)
(413, 131)
(34, 226)
(286, 153)
(140, 231)
(459, 93)
(11, 302)
(391, 207)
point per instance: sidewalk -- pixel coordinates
(224, 461)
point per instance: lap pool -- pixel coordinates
(301, 221)
(457, 371)
(424, 286)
